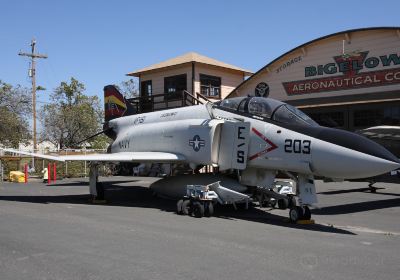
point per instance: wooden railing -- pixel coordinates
(157, 102)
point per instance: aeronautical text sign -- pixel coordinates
(348, 67)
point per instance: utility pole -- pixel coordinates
(32, 74)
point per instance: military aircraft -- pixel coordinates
(253, 136)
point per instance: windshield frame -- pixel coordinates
(270, 119)
(296, 113)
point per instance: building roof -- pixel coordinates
(188, 58)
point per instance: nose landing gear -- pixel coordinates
(305, 191)
(299, 213)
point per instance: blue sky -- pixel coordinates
(98, 42)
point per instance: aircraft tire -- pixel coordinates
(294, 215)
(179, 207)
(186, 207)
(301, 212)
(272, 203)
(291, 201)
(307, 213)
(283, 204)
(198, 210)
(264, 203)
(209, 209)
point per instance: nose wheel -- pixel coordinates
(306, 194)
(306, 213)
(299, 213)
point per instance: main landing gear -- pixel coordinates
(96, 188)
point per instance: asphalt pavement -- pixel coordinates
(53, 232)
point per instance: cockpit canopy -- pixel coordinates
(267, 108)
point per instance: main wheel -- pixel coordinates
(179, 207)
(263, 204)
(263, 201)
(283, 203)
(307, 213)
(198, 210)
(186, 207)
(209, 209)
(272, 203)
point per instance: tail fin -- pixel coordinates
(115, 104)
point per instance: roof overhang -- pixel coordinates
(189, 58)
(138, 73)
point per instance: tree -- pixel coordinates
(129, 88)
(15, 107)
(72, 116)
(100, 142)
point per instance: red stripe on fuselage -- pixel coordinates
(272, 145)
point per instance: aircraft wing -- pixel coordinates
(382, 132)
(158, 157)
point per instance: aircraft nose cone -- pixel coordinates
(350, 156)
(359, 143)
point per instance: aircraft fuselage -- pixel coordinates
(192, 132)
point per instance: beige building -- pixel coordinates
(349, 80)
(336, 76)
(190, 72)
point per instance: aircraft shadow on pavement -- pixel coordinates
(365, 190)
(357, 207)
(143, 197)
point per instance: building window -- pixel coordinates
(367, 118)
(389, 115)
(329, 119)
(146, 88)
(174, 86)
(210, 86)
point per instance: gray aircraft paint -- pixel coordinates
(171, 131)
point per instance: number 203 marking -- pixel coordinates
(297, 146)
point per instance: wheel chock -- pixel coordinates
(301, 222)
(305, 222)
(98, 201)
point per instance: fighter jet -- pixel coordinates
(254, 137)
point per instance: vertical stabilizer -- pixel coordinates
(115, 104)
